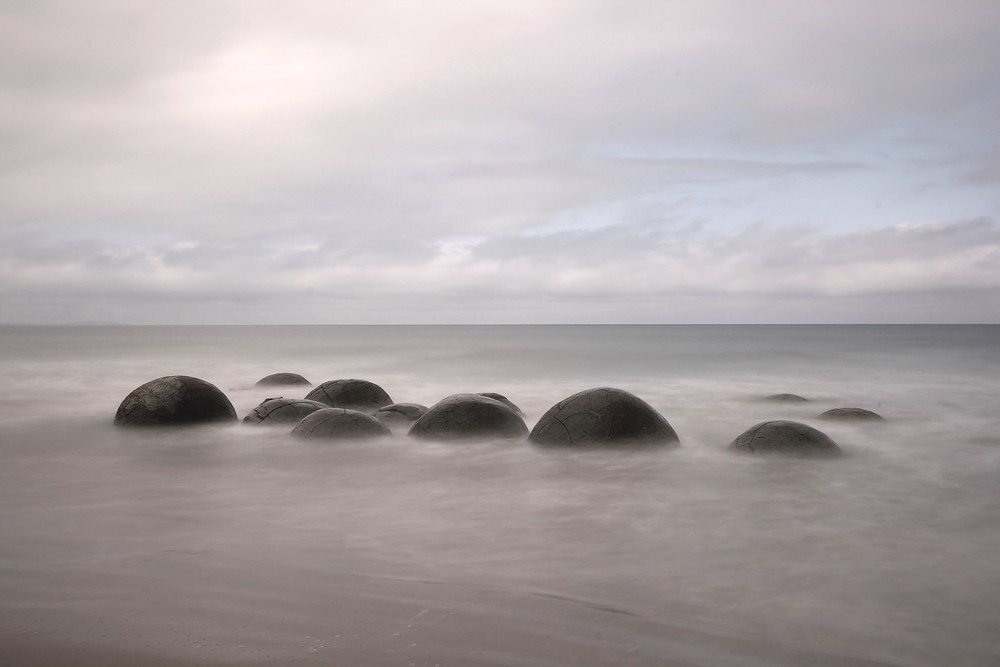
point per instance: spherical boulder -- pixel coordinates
(283, 380)
(785, 437)
(603, 417)
(339, 424)
(351, 394)
(503, 399)
(282, 411)
(400, 415)
(786, 398)
(852, 414)
(175, 400)
(469, 417)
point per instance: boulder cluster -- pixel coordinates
(350, 409)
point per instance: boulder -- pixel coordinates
(351, 394)
(786, 398)
(282, 411)
(283, 380)
(400, 415)
(503, 399)
(603, 417)
(468, 417)
(339, 424)
(852, 414)
(785, 437)
(175, 400)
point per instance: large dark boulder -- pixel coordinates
(400, 415)
(503, 399)
(785, 437)
(340, 424)
(283, 380)
(175, 400)
(786, 398)
(351, 394)
(852, 415)
(469, 417)
(603, 417)
(282, 411)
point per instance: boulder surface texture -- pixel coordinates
(400, 415)
(351, 394)
(282, 411)
(503, 399)
(852, 414)
(785, 437)
(786, 398)
(339, 424)
(603, 417)
(175, 400)
(283, 380)
(469, 417)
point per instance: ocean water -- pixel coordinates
(237, 544)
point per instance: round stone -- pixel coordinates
(603, 417)
(175, 400)
(785, 437)
(503, 399)
(352, 394)
(400, 415)
(339, 424)
(786, 398)
(282, 411)
(852, 414)
(469, 417)
(283, 380)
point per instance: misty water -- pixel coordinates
(240, 544)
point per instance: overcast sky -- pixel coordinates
(508, 161)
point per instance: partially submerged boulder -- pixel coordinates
(282, 411)
(467, 417)
(503, 399)
(786, 398)
(785, 437)
(351, 394)
(283, 380)
(852, 414)
(175, 400)
(603, 417)
(400, 415)
(339, 424)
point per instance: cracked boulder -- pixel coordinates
(400, 416)
(351, 394)
(469, 417)
(175, 400)
(283, 380)
(503, 399)
(852, 415)
(603, 417)
(785, 437)
(282, 411)
(339, 424)
(786, 398)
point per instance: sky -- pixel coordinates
(508, 161)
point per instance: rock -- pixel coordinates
(467, 417)
(400, 415)
(503, 399)
(852, 414)
(785, 437)
(352, 394)
(786, 398)
(603, 417)
(175, 400)
(282, 411)
(283, 380)
(339, 424)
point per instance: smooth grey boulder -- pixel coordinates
(785, 437)
(282, 411)
(400, 415)
(786, 398)
(852, 414)
(351, 394)
(175, 400)
(503, 399)
(603, 417)
(283, 380)
(469, 417)
(339, 424)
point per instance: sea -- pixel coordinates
(236, 544)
